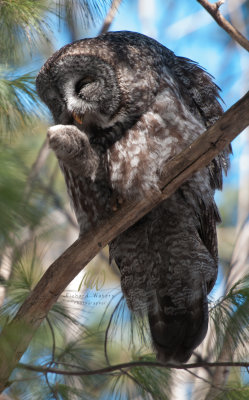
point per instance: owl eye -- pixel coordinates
(83, 82)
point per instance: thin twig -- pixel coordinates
(37, 165)
(105, 347)
(53, 340)
(204, 380)
(107, 331)
(51, 387)
(132, 364)
(53, 391)
(110, 16)
(49, 190)
(213, 10)
(67, 365)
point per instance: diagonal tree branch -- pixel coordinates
(214, 11)
(16, 336)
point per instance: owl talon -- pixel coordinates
(117, 201)
(120, 200)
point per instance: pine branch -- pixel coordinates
(214, 11)
(221, 373)
(16, 336)
(17, 101)
(129, 365)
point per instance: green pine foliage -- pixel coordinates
(15, 211)
(22, 24)
(234, 392)
(26, 24)
(230, 318)
(18, 102)
(28, 230)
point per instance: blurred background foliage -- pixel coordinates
(90, 326)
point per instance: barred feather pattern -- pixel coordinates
(123, 105)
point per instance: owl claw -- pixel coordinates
(55, 135)
(116, 203)
(120, 200)
(66, 140)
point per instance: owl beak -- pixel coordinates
(78, 118)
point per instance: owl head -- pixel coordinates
(101, 80)
(76, 86)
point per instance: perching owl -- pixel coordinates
(123, 106)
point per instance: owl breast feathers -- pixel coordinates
(124, 105)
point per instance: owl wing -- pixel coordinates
(202, 96)
(168, 260)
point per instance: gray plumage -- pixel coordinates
(124, 105)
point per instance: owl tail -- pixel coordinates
(168, 265)
(175, 333)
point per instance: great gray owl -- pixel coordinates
(123, 105)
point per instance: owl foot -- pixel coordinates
(116, 202)
(72, 147)
(66, 140)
